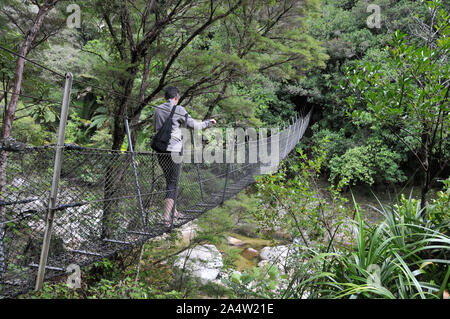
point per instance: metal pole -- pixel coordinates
(287, 143)
(133, 162)
(149, 202)
(226, 182)
(178, 179)
(296, 126)
(55, 181)
(197, 166)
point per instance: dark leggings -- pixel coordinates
(171, 173)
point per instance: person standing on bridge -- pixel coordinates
(171, 169)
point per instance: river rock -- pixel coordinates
(274, 253)
(250, 253)
(78, 225)
(188, 233)
(203, 262)
(234, 241)
(277, 256)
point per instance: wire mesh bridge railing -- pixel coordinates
(107, 201)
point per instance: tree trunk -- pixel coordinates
(425, 189)
(143, 88)
(10, 111)
(24, 50)
(114, 171)
(426, 158)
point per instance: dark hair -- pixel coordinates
(171, 92)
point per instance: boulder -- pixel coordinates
(274, 253)
(277, 256)
(234, 241)
(202, 262)
(188, 233)
(78, 225)
(250, 253)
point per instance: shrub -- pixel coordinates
(406, 256)
(355, 165)
(374, 163)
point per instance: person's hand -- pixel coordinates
(213, 121)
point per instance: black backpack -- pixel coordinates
(161, 139)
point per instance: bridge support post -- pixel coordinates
(133, 163)
(196, 165)
(172, 213)
(226, 183)
(55, 181)
(287, 142)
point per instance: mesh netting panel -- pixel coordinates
(109, 201)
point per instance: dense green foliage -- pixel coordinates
(257, 66)
(293, 201)
(408, 94)
(366, 148)
(381, 119)
(403, 256)
(231, 60)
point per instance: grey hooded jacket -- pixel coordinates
(162, 112)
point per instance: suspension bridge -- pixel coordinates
(105, 201)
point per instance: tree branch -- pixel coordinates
(117, 43)
(183, 45)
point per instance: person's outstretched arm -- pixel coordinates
(199, 125)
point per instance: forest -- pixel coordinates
(361, 203)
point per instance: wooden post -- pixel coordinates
(55, 181)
